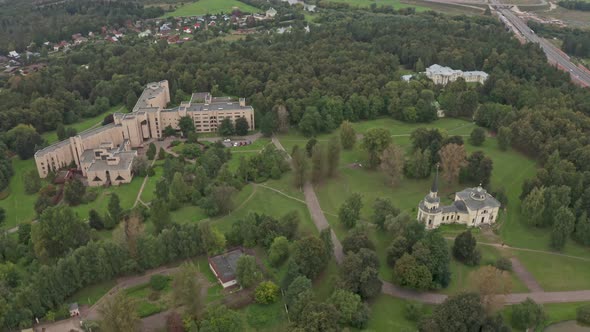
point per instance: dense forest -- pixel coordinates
(576, 42)
(347, 68)
(23, 23)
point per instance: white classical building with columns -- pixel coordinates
(472, 207)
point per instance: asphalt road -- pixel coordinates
(554, 55)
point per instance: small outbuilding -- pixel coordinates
(224, 267)
(74, 310)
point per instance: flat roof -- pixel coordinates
(125, 161)
(225, 265)
(152, 90)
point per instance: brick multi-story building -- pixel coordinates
(105, 154)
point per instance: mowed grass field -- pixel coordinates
(366, 3)
(203, 7)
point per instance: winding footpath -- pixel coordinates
(537, 294)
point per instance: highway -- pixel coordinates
(554, 55)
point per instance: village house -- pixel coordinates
(104, 155)
(472, 207)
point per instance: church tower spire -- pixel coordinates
(434, 188)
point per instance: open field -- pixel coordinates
(366, 3)
(573, 18)
(203, 7)
(556, 273)
(87, 123)
(264, 200)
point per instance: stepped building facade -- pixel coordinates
(443, 75)
(471, 207)
(105, 154)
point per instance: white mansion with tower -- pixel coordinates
(472, 207)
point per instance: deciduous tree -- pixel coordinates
(187, 290)
(464, 248)
(266, 292)
(74, 191)
(347, 135)
(186, 125)
(309, 254)
(279, 250)
(527, 315)
(392, 164)
(119, 314)
(452, 159)
(375, 141)
(350, 210)
(58, 231)
(242, 126)
(247, 272)
(300, 166)
(333, 156)
(491, 284)
(407, 272)
(563, 226)
(477, 136)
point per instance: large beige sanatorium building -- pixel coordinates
(105, 154)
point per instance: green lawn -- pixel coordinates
(149, 189)
(462, 277)
(127, 194)
(19, 206)
(89, 295)
(366, 3)
(265, 317)
(51, 136)
(188, 214)
(211, 7)
(556, 273)
(387, 314)
(556, 312)
(268, 202)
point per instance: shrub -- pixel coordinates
(504, 264)
(175, 143)
(583, 315)
(90, 196)
(154, 296)
(266, 292)
(478, 136)
(413, 311)
(158, 282)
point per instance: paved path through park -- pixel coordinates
(524, 275)
(429, 297)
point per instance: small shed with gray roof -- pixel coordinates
(224, 267)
